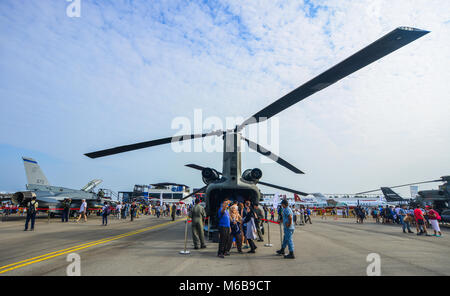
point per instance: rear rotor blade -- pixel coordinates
(272, 156)
(147, 144)
(378, 49)
(401, 186)
(283, 188)
(194, 166)
(195, 192)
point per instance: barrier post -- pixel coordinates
(209, 224)
(268, 236)
(48, 215)
(185, 252)
(281, 236)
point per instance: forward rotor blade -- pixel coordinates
(199, 167)
(147, 144)
(195, 192)
(283, 188)
(417, 183)
(378, 49)
(258, 148)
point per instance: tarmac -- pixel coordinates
(151, 246)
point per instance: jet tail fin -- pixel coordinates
(91, 185)
(390, 195)
(34, 172)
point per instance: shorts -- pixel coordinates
(435, 225)
(419, 222)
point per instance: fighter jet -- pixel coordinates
(49, 196)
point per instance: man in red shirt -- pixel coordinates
(420, 224)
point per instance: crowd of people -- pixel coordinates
(121, 211)
(240, 225)
(406, 216)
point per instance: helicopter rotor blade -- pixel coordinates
(283, 188)
(199, 167)
(385, 45)
(126, 148)
(195, 192)
(392, 187)
(258, 148)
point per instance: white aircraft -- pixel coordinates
(352, 201)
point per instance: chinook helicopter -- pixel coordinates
(439, 198)
(231, 183)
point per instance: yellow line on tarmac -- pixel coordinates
(47, 256)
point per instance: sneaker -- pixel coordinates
(280, 252)
(221, 256)
(196, 247)
(203, 247)
(226, 254)
(246, 247)
(289, 256)
(438, 235)
(251, 251)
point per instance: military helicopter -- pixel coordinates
(231, 183)
(439, 198)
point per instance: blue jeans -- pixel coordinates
(30, 217)
(287, 239)
(404, 224)
(65, 215)
(105, 219)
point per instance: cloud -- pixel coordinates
(125, 69)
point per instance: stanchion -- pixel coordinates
(281, 235)
(209, 224)
(48, 215)
(185, 251)
(268, 235)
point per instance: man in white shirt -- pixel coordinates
(83, 209)
(118, 209)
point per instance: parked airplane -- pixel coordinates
(51, 196)
(393, 197)
(351, 201)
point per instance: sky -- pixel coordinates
(122, 71)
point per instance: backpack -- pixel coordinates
(31, 207)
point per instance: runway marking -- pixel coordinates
(47, 256)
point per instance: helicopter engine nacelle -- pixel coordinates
(210, 175)
(252, 175)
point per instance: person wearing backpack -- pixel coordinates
(434, 218)
(31, 213)
(106, 210)
(66, 208)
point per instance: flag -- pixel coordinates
(297, 198)
(275, 200)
